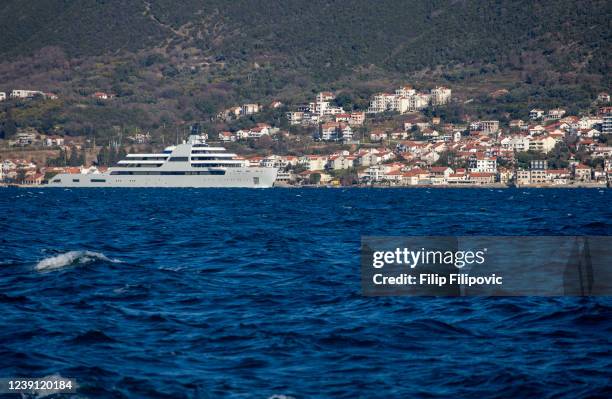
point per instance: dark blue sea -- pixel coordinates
(256, 294)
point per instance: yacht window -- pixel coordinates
(179, 159)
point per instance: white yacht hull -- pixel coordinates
(233, 177)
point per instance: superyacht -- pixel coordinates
(191, 164)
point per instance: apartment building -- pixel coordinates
(440, 95)
(382, 102)
(480, 163)
(606, 126)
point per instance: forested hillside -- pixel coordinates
(325, 34)
(172, 63)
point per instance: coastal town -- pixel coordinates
(395, 142)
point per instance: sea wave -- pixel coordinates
(205, 287)
(72, 258)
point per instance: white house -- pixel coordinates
(440, 95)
(516, 143)
(405, 91)
(25, 138)
(517, 123)
(381, 102)
(415, 176)
(53, 141)
(542, 144)
(536, 130)
(556, 113)
(480, 163)
(314, 162)
(346, 133)
(369, 157)
(295, 118)
(100, 95)
(343, 117)
(340, 162)
(412, 103)
(440, 174)
(329, 131)
(603, 98)
(488, 127)
(273, 161)
(26, 93)
(227, 136)
(401, 135)
(357, 118)
(258, 131)
(587, 122)
(536, 113)
(430, 157)
(249, 109)
(378, 135)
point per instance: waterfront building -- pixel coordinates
(480, 163)
(582, 173)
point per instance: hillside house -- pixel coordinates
(26, 93)
(53, 141)
(227, 136)
(536, 114)
(556, 113)
(357, 118)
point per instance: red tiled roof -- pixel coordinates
(439, 168)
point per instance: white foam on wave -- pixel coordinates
(70, 258)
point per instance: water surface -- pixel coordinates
(254, 293)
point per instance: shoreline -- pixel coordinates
(437, 186)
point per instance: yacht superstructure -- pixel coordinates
(191, 164)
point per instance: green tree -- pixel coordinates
(73, 159)
(83, 157)
(102, 158)
(112, 156)
(9, 127)
(49, 176)
(344, 100)
(445, 159)
(558, 158)
(524, 158)
(121, 154)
